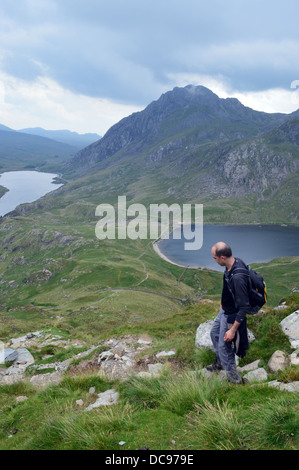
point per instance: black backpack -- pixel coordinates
(257, 289)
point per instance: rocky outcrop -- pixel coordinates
(118, 358)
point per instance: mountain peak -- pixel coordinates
(188, 116)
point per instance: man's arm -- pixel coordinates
(240, 287)
(230, 334)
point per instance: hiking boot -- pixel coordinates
(215, 367)
(234, 378)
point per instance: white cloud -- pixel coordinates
(45, 103)
(276, 100)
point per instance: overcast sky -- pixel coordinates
(85, 64)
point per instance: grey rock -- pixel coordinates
(289, 387)
(8, 355)
(165, 354)
(294, 358)
(21, 399)
(155, 369)
(44, 380)
(203, 338)
(252, 366)
(278, 361)
(290, 327)
(24, 356)
(257, 375)
(110, 397)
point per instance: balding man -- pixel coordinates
(229, 332)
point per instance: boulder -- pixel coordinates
(278, 361)
(252, 366)
(8, 355)
(290, 327)
(203, 338)
(257, 375)
(24, 357)
(294, 358)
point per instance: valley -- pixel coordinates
(56, 276)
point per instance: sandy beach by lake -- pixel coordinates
(155, 245)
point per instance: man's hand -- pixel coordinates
(229, 335)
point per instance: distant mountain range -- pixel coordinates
(65, 136)
(33, 148)
(191, 145)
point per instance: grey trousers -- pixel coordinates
(223, 349)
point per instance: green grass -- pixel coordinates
(173, 412)
(178, 410)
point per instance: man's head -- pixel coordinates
(222, 253)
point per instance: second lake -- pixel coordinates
(252, 243)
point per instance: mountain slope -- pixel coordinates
(191, 146)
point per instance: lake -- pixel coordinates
(24, 186)
(252, 243)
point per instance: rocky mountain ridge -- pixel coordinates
(190, 115)
(190, 145)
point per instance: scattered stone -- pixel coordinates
(21, 399)
(290, 327)
(257, 375)
(110, 397)
(165, 354)
(43, 380)
(144, 340)
(294, 358)
(79, 402)
(252, 366)
(278, 361)
(105, 355)
(280, 307)
(92, 390)
(289, 387)
(155, 369)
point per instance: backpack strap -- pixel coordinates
(228, 278)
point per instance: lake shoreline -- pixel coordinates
(258, 243)
(25, 187)
(159, 253)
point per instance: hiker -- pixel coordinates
(229, 331)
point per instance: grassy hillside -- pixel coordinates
(55, 276)
(179, 410)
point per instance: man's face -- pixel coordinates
(218, 259)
